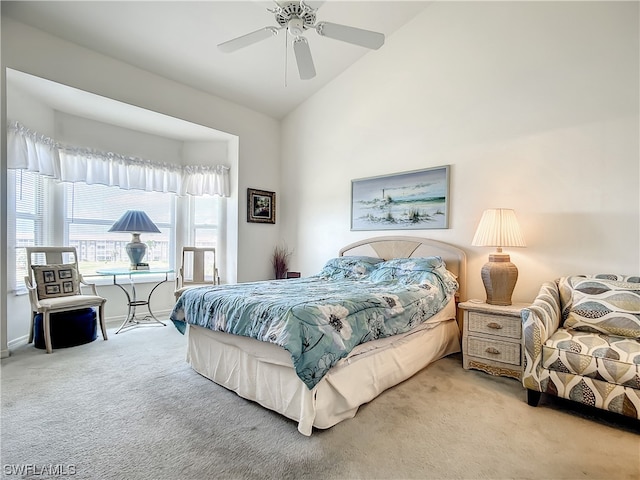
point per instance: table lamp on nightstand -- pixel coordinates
(135, 222)
(499, 228)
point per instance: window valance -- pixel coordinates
(35, 152)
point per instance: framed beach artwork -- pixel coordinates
(261, 206)
(410, 200)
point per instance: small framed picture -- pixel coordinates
(261, 206)
(52, 289)
(49, 276)
(67, 287)
(64, 274)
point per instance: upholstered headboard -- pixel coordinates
(408, 247)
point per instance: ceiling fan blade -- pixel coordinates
(303, 58)
(248, 39)
(357, 36)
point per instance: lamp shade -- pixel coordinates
(498, 227)
(134, 221)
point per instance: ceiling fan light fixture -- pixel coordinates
(295, 27)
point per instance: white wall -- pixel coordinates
(533, 104)
(34, 52)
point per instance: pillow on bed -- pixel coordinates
(349, 267)
(405, 268)
(416, 271)
(605, 306)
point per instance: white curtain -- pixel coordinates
(35, 152)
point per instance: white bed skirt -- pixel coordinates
(264, 373)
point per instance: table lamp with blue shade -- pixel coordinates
(135, 222)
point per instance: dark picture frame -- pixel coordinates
(64, 274)
(261, 206)
(418, 199)
(49, 276)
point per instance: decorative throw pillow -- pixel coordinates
(406, 268)
(349, 267)
(417, 271)
(56, 280)
(566, 286)
(606, 306)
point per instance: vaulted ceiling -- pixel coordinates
(178, 40)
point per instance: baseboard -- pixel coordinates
(15, 343)
(5, 353)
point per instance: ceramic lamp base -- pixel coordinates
(499, 276)
(136, 250)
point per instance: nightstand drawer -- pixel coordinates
(504, 352)
(498, 325)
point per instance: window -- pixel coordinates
(28, 193)
(80, 215)
(90, 210)
(206, 214)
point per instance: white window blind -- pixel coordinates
(90, 210)
(206, 221)
(27, 224)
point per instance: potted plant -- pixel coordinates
(280, 261)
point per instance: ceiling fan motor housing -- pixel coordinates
(304, 15)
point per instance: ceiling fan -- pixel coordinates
(297, 17)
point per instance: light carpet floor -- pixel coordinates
(131, 408)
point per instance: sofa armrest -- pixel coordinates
(539, 322)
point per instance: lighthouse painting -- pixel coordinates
(411, 200)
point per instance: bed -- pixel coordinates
(278, 368)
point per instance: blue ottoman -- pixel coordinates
(68, 329)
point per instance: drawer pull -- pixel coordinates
(493, 351)
(494, 325)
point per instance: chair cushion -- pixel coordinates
(610, 358)
(605, 306)
(54, 281)
(70, 302)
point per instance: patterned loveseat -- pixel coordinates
(582, 342)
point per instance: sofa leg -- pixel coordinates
(533, 397)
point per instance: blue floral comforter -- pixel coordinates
(320, 319)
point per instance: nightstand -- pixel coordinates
(491, 338)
